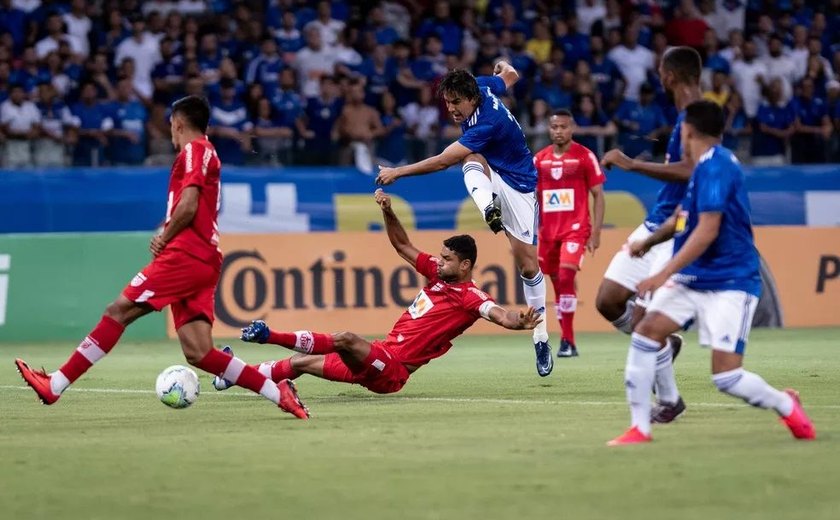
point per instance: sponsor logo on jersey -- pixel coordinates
(558, 200)
(422, 305)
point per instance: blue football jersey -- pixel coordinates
(731, 261)
(493, 132)
(671, 194)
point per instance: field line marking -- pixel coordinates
(392, 399)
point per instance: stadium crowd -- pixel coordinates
(305, 82)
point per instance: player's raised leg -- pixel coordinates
(479, 186)
(197, 344)
(117, 316)
(533, 285)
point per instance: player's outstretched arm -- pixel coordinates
(707, 230)
(506, 71)
(678, 171)
(453, 154)
(182, 216)
(396, 232)
(513, 320)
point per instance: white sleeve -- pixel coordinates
(485, 309)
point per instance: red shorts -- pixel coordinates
(554, 252)
(179, 280)
(383, 373)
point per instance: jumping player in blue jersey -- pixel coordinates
(679, 72)
(499, 174)
(713, 278)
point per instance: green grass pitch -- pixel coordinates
(475, 434)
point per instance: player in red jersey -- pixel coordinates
(183, 274)
(447, 306)
(567, 173)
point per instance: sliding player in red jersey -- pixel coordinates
(183, 274)
(567, 173)
(446, 306)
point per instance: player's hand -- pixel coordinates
(157, 245)
(387, 175)
(638, 248)
(530, 318)
(646, 288)
(500, 66)
(616, 157)
(383, 199)
(593, 243)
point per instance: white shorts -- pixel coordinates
(628, 271)
(519, 210)
(724, 318)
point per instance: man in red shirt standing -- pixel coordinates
(567, 173)
(183, 274)
(447, 306)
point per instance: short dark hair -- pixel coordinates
(463, 246)
(562, 112)
(195, 109)
(706, 117)
(459, 82)
(685, 63)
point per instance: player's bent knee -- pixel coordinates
(344, 340)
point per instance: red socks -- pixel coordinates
(99, 342)
(278, 370)
(564, 290)
(303, 341)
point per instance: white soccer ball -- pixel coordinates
(177, 386)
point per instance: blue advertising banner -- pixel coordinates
(267, 200)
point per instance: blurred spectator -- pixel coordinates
(328, 27)
(27, 6)
(391, 149)
(127, 138)
(749, 76)
(380, 73)
(610, 21)
(265, 68)
(97, 72)
(406, 87)
(422, 120)
(432, 64)
(115, 30)
(57, 128)
(550, 90)
(313, 62)
(775, 124)
(210, 58)
(20, 124)
(79, 25)
(641, 122)
(719, 93)
(507, 20)
(607, 77)
(347, 59)
(588, 12)
(230, 126)
(735, 46)
(730, 16)
(441, 24)
(780, 66)
(540, 45)
(737, 126)
(144, 49)
(273, 137)
(574, 43)
(92, 119)
(13, 21)
(536, 125)
(359, 125)
(56, 73)
(799, 52)
(321, 114)
(287, 103)
(687, 27)
(55, 35)
(378, 25)
(592, 125)
(30, 73)
(633, 61)
(168, 75)
(289, 38)
(813, 126)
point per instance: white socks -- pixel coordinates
(534, 289)
(664, 381)
(478, 185)
(753, 389)
(638, 379)
(624, 323)
(58, 382)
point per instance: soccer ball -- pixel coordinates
(177, 386)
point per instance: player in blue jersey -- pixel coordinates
(712, 278)
(679, 72)
(499, 174)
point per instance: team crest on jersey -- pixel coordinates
(572, 247)
(138, 280)
(422, 304)
(557, 172)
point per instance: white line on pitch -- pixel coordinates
(391, 399)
